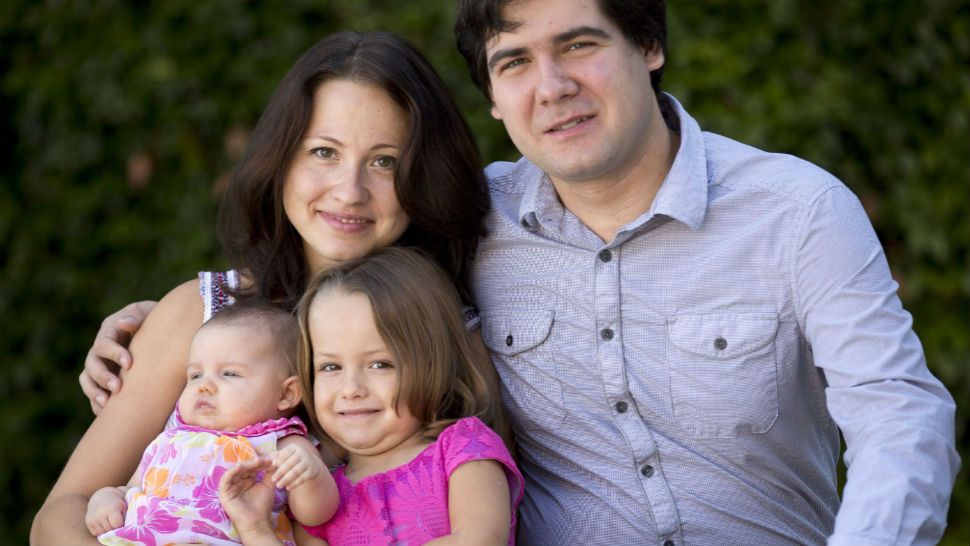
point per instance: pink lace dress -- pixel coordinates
(178, 500)
(408, 505)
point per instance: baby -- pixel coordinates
(237, 406)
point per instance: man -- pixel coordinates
(683, 323)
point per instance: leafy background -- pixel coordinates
(119, 122)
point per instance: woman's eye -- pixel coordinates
(324, 152)
(385, 162)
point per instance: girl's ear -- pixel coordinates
(290, 394)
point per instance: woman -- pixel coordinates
(360, 147)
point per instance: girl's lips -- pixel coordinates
(357, 412)
(346, 223)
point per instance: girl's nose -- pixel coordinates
(353, 386)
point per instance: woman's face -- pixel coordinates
(339, 192)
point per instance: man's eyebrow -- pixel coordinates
(504, 54)
(577, 32)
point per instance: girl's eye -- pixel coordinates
(385, 162)
(328, 367)
(324, 152)
(381, 365)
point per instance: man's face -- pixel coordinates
(573, 92)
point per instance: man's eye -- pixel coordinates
(512, 64)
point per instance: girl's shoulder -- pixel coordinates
(470, 439)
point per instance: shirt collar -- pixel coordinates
(683, 195)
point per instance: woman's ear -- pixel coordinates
(290, 394)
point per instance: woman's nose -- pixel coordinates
(350, 186)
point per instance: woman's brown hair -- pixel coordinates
(443, 377)
(439, 180)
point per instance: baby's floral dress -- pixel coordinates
(178, 500)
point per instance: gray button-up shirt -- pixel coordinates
(686, 381)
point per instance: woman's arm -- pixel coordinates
(109, 451)
(479, 505)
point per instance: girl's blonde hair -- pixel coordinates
(442, 377)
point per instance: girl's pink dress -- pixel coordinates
(408, 505)
(178, 500)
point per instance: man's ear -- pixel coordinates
(654, 56)
(290, 394)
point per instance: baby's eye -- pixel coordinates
(385, 162)
(231, 373)
(194, 375)
(324, 152)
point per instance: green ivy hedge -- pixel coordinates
(120, 122)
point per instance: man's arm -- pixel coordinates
(897, 419)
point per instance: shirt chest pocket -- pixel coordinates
(722, 373)
(532, 391)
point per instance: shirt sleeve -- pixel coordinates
(469, 440)
(896, 417)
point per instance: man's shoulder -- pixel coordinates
(739, 167)
(506, 177)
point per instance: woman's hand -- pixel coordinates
(109, 353)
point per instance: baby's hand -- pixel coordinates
(296, 463)
(106, 510)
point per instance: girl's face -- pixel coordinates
(355, 379)
(339, 191)
(235, 379)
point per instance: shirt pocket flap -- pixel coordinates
(510, 334)
(722, 337)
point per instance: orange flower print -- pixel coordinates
(284, 530)
(156, 482)
(236, 449)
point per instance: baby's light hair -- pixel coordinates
(418, 315)
(281, 325)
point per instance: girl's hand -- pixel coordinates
(106, 510)
(247, 501)
(296, 463)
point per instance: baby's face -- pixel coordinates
(234, 378)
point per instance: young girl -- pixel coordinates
(393, 383)
(237, 406)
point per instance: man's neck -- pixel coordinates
(606, 205)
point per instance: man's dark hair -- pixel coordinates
(643, 22)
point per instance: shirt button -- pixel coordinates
(508, 340)
(606, 334)
(620, 407)
(720, 344)
(605, 256)
(647, 471)
(668, 543)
